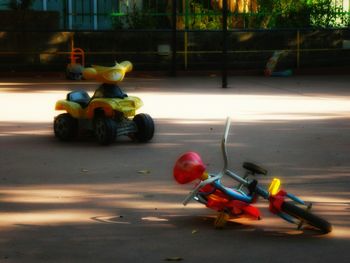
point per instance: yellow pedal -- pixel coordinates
(274, 186)
(221, 220)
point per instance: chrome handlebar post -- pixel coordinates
(223, 144)
(212, 178)
(242, 181)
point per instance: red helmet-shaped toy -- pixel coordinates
(188, 168)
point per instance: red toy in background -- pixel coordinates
(75, 68)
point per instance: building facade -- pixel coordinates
(97, 14)
(82, 14)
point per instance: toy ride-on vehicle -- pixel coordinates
(74, 70)
(108, 114)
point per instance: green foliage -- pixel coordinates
(292, 14)
(301, 13)
(137, 19)
(324, 13)
(203, 15)
(272, 14)
(202, 18)
(134, 18)
(117, 20)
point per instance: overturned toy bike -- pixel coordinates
(237, 201)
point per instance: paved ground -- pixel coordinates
(80, 202)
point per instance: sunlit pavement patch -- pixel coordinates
(39, 106)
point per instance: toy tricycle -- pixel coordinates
(233, 202)
(109, 113)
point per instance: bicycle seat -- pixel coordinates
(254, 169)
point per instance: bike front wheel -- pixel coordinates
(306, 217)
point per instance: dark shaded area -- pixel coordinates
(106, 180)
(28, 20)
(247, 50)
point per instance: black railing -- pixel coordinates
(173, 50)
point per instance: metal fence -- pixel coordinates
(195, 50)
(180, 35)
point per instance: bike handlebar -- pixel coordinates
(199, 186)
(223, 143)
(225, 170)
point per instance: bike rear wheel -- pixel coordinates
(307, 217)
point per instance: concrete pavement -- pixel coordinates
(80, 202)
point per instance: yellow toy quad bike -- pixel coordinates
(108, 114)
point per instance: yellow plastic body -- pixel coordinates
(110, 75)
(127, 106)
(274, 186)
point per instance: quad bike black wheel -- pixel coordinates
(65, 127)
(145, 127)
(306, 217)
(105, 130)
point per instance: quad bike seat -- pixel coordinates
(79, 96)
(109, 91)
